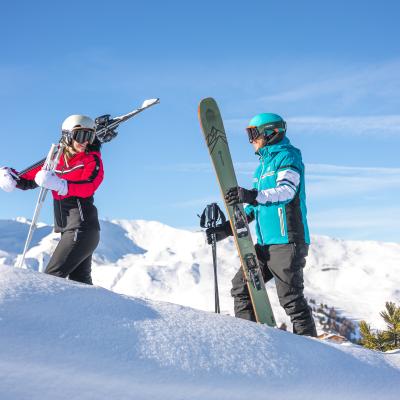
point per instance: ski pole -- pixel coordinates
(209, 218)
(211, 215)
(50, 164)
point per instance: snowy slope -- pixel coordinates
(63, 340)
(155, 261)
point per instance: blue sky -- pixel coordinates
(332, 70)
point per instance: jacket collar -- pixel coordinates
(78, 157)
(275, 148)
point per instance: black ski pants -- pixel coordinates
(285, 263)
(72, 257)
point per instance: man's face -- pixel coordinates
(258, 143)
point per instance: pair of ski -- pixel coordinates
(217, 143)
(105, 132)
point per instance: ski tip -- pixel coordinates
(150, 102)
(207, 101)
(209, 110)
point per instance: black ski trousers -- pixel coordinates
(72, 257)
(285, 263)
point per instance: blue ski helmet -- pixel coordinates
(271, 126)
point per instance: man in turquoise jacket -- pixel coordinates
(277, 203)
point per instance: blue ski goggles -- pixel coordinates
(83, 135)
(266, 130)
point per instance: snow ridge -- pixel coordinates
(87, 342)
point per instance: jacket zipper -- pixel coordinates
(80, 210)
(280, 213)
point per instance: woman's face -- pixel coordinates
(79, 147)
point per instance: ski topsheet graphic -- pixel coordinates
(217, 143)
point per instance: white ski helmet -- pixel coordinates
(76, 122)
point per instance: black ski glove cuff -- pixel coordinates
(238, 194)
(26, 184)
(221, 232)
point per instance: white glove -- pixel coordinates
(49, 180)
(7, 181)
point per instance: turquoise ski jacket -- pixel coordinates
(281, 214)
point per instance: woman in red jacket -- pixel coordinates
(73, 183)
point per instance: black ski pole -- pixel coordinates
(209, 219)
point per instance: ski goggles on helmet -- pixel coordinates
(266, 130)
(81, 135)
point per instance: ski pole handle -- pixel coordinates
(50, 155)
(212, 214)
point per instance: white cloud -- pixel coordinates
(366, 222)
(246, 168)
(314, 172)
(344, 201)
(376, 125)
(323, 181)
(377, 80)
(356, 218)
(332, 169)
(340, 182)
(367, 125)
(199, 202)
(184, 167)
(360, 99)
(354, 202)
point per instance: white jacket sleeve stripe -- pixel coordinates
(290, 176)
(287, 183)
(280, 194)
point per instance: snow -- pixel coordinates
(151, 260)
(63, 340)
(14, 233)
(355, 276)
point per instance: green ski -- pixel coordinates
(217, 143)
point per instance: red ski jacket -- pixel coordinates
(84, 174)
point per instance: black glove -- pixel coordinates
(238, 194)
(221, 232)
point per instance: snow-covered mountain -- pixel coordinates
(151, 260)
(63, 340)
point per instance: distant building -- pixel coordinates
(332, 337)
